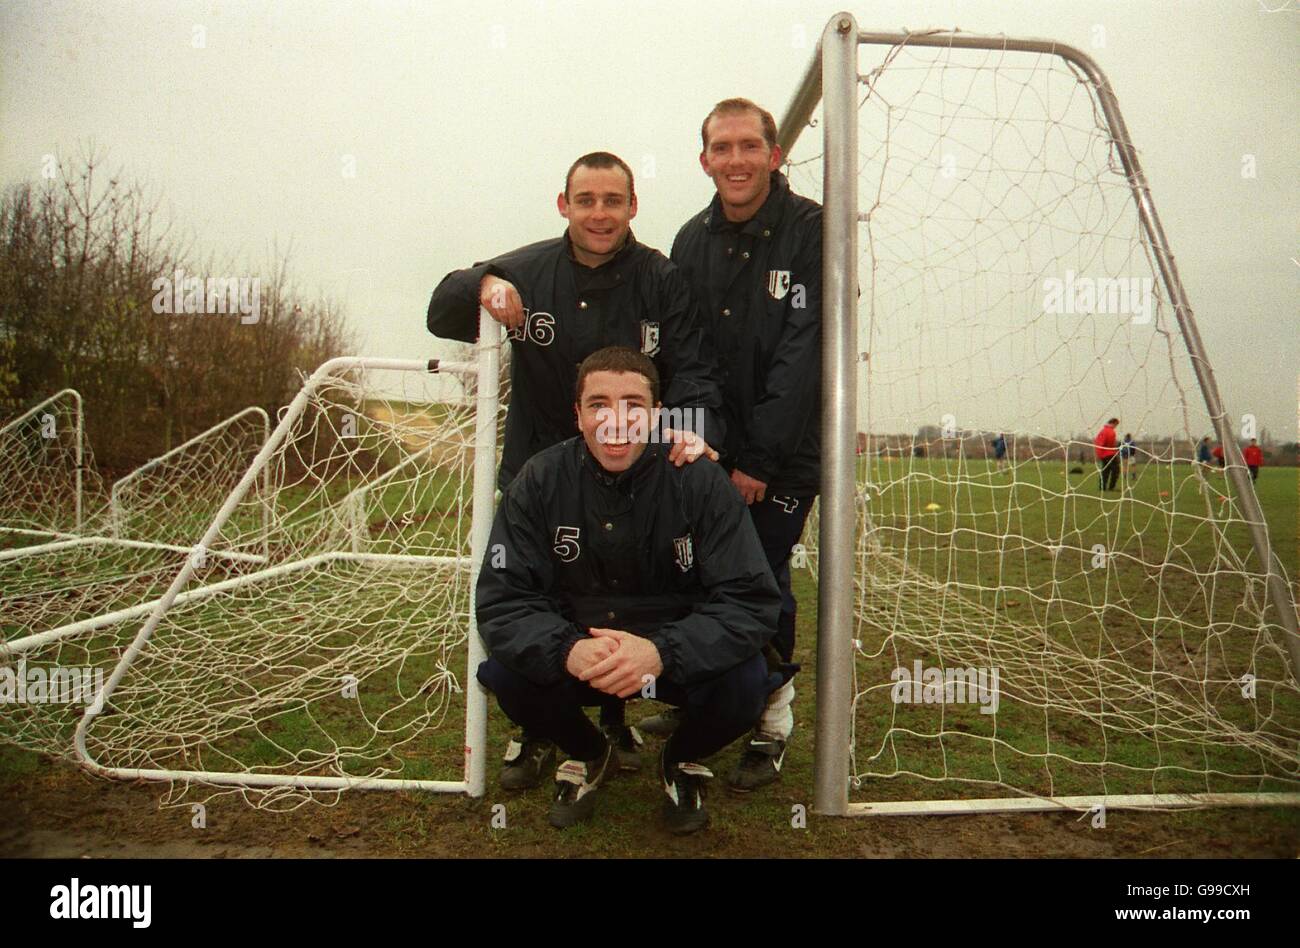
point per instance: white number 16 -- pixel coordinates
(538, 328)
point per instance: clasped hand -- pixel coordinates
(614, 661)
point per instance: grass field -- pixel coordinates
(408, 720)
(1118, 675)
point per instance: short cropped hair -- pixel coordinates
(1113, 421)
(619, 359)
(598, 160)
(736, 107)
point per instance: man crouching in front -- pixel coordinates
(611, 571)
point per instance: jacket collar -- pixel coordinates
(615, 262)
(765, 221)
(624, 480)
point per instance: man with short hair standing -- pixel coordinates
(754, 258)
(563, 299)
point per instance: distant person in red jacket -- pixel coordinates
(1107, 454)
(1218, 454)
(1254, 458)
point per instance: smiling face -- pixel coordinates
(615, 415)
(739, 160)
(599, 208)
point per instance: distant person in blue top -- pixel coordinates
(1127, 450)
(1203, 452)
(1000, 450)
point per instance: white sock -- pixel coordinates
(778, 717)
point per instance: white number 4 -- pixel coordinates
(566, 543)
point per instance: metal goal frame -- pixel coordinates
(832, 79)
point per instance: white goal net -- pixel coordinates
(47, 472)
(315, 635)
(1024, 638)
(132, 537)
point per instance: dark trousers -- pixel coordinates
(1254, 471)
(717, 711)
(779, 521)
(1109, 472)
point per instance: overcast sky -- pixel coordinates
(461, 118)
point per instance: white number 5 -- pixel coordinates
(566, 543)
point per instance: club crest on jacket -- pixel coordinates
(649, 338)
(778, 283)
(685, 553)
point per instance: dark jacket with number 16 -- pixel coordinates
(637, 299)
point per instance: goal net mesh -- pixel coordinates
(323, 631)
(39, 487)
(1019, 631)
(134, 534)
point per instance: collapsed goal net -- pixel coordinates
(47, 470)
(129, 540)
(316, 635)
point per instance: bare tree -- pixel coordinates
(81, 255)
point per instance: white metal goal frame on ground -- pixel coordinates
(130, 496)
(121, 542)
(849, 542)
(317, 451)
(26, 457)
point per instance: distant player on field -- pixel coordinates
(1254, 457)
(1203, 455)
(1127, 449)
(1107, 454)
(1000, 450)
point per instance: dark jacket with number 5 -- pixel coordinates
(637, 299)
(760, 284)
(664, 552)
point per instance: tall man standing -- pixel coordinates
(563, 299)
(754, 259)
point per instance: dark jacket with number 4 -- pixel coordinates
(760, 284)
(637, 299)
(664, 552)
